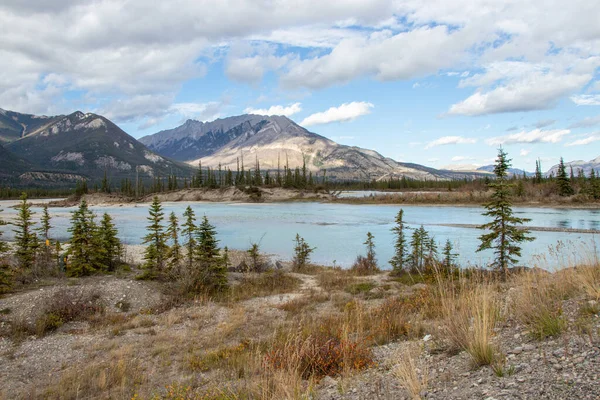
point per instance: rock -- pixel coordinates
(528, 347)
(278, 265)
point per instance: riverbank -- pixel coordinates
(229, 195)
(535, 335)
(280, 195)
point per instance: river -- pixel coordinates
(339, 230)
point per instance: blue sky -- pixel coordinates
(437, 83)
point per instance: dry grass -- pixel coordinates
(470, 315)
(118, 377)
(265, 284)
(411, 378)
(335, 279)
(588, 279)
(538, 302)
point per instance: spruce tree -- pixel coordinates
(188, 231)
(399, 258)
(84, 254)
(210, 274)
(505, 234)
(109, 242)
(562, 180)
(154, 255)
(538, 172)
(5, 275)
(46, 247)
(449, 256)
(302, 253)
(420, 244)
(26, 241)
(174, 253)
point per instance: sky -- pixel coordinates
(440, 83)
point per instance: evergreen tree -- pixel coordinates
(3, 245)
(399, 258)
(84, 254)
(109, 242)
(563, 182)
(5, 275)
(174, 253)
(44, 230)
(210, 275)
(449, 256)
(156, 248)
(593, 185)
(302, 253)
(26, 240)
(420, 242)
(538, 172)
(188, 231)
(505, 234)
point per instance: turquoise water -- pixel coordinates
(339, 230)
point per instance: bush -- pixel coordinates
(66, 306)
(364, 266)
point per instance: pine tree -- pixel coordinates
(46, 248)
(84, 254)
(174, 253)
(449, 256)
(563, 182)
(420, 242)
(505, 234)
(302, 253)
(399, 258)
(210, 272)
(538, 172)
(188, 231)
(156, 248)
(5, 275)
(26, 240)
(109, 242)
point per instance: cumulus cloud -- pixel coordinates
(344, 113)
(152, 109)
(534, 136)
(533, 91)
(446, 140)
(586, 99)
(594, 137)
(276, 110)
(524, 152)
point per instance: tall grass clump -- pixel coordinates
(409, 375)
(538, 303)
(470, 312)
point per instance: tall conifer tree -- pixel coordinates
(399, 258)
(505, 234)
(156, 248)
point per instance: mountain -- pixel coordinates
(10, 165)
(511, 171)
(577, 165)
(277, 140)
(14, 125)
(90, 145)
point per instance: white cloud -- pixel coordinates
(344, 113)
(594, 137)
(586, 122)
(586, 99)
(446, 140)
(423, 51)
(276, 110)
(433, 160)
(534, 136)
(524, 152)
(533, 91)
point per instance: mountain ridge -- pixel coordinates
(277, 141)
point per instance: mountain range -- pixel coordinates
(81, 145)
(277, 141)
(76, 146)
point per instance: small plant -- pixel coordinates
(302, 253)
(66, 306)
(358, 288)
(407, 373)
(366, 265)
